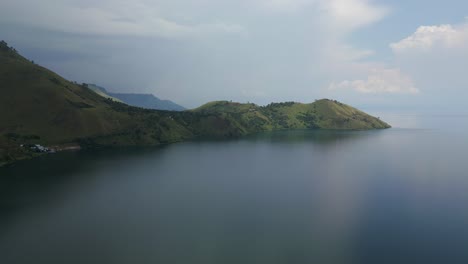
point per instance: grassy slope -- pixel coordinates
(322, 114)
(36, 100)
(38, 106)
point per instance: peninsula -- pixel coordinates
(39, 107)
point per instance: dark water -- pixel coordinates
(392, 196)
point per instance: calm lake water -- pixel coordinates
(390, 196)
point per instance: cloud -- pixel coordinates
(222, 48)
(175, 18)
(114, 18)
(436, 57)
(380, 81)
(352, 14)
(343, 15)
(427, 38)
(285, 5)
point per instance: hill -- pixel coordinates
(147, 101)
(38, 106)
(322, 114)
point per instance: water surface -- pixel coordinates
(390, 196)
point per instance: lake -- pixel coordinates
(391, 196)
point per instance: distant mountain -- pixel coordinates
(103, 92)
(37, 106)
(147, 101)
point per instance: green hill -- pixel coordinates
(38, 106)
(322, 114)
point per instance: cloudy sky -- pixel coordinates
(378, 54)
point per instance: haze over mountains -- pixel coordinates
(147, 101)
(37, 106)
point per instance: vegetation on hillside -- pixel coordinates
(38, 106)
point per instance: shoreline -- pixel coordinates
(52, 149)
(31, 154)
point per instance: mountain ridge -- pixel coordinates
(37, 106)
(143, 100)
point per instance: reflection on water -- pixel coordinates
(322, 137)
(387, 196)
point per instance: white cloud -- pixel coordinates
(352, 14)
(436, 57)
(349, 14)
(433, 57)
(380, 81)
(426, 38)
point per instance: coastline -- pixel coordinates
(26, 154)
(52, 149)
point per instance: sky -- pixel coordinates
(375, 54)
